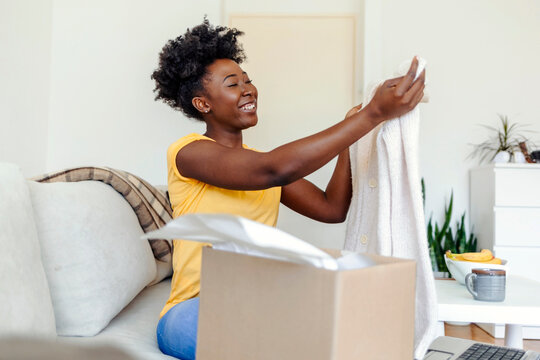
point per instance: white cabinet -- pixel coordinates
(505, 214)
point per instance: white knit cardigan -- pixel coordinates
(386, 216)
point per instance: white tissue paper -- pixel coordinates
(240, 235)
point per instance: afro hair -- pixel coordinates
(184, 60)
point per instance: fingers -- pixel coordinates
(422, 76)
(408, 79)
(399, 95)
(392, 82)
(354, 110)
(358, 107)
(417, 98)
(415, 88)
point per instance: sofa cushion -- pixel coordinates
(134, 329)
(92, 253)
(25, 301)
(151, 205)
(24, 348)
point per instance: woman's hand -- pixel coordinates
(398, 96)
(354, 110)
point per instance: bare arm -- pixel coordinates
(329, 206)
(241, 169)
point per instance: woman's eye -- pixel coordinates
(246, 82)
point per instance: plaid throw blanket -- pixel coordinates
(151, 205)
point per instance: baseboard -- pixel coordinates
(497, 331)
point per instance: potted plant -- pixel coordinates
(441, 239)
(503, 143)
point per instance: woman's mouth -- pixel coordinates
(249, 107)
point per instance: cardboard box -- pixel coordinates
(256, 308)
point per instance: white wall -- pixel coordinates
(25, 51)
(102, 106)
(482, 60)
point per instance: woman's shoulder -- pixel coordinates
(183, 141)
(191, 137)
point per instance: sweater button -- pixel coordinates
(372, 183)
(363, 239)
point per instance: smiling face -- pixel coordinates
(229, 101)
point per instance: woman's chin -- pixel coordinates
(251, 121)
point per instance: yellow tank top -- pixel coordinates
(190, 196)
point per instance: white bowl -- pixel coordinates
(459, 269)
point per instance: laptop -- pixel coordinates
(449, 348)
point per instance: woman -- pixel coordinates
(199, 74)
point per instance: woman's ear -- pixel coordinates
(201, 104)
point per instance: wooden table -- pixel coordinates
(520, 307)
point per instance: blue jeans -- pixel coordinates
(177, 330)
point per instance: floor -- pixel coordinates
(473, 332)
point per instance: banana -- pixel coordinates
(457, 257)
(485, 256)
(495, 261)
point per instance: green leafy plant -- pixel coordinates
(505, 138)
(441, 239)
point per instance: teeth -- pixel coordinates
(248, 106)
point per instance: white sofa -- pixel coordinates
(73, 268)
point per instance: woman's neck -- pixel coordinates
(225, 138)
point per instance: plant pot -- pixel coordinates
(519, 158)
(502, 157)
